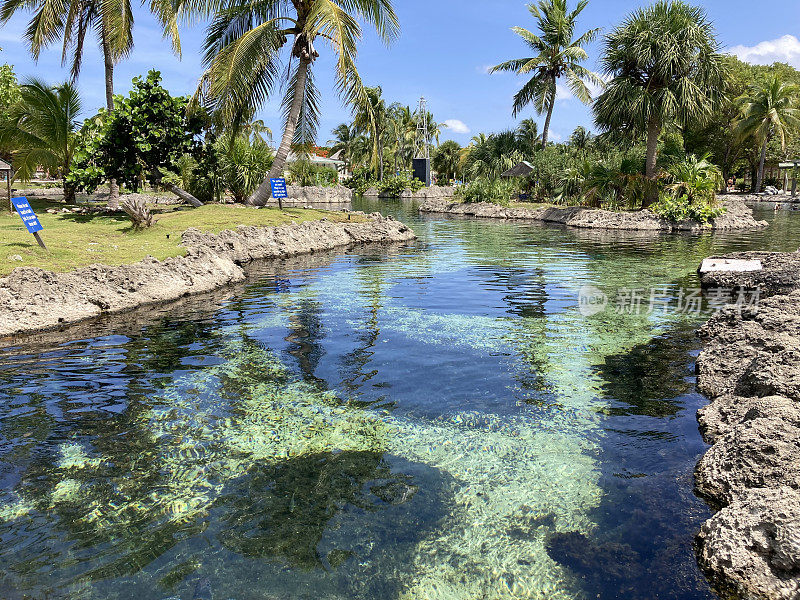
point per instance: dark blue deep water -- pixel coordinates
(438, 420)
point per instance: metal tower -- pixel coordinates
(423, 148)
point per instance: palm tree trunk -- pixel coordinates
(264, 192)
(546, 130)
(113, 188)
(653, 131)
(761, 162)
(380, 156)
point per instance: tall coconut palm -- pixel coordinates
(372, 116)
(665, 71)
(71, 20)
(403, 130)
(557, 56)
(770, 109)
(42, 128)
(246, 42)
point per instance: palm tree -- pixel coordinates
(557, 55)
(580, 138)
(665, 71)
(42, 128)
(372, 116)
(447, 159)
(243, 51)
(528, 136)
(769, 110)
(402, 130)
(72, 20)
(344, 140)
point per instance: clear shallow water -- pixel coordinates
(430, 421)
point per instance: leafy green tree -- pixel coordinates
(770, 110)
(9, 90)
(41, 127)
(145, 136)
(71, 20)
(245, 46)
(558, 55)
(447, 158)
(665, 72)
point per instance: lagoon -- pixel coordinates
(435, 420)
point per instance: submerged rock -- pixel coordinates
(736, 216)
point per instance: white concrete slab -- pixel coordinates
(730, 265)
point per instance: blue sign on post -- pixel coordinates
(278, 188)
(28, 217)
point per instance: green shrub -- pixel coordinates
(397, 184)
(680, 208)
(497, 191)
(305, 173)
(361, 180)
(244, 163)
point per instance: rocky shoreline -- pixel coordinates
(427, 193)
(737, 216)
(750, 369)
(32, 299)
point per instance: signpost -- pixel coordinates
(279, 190)
(28, 217)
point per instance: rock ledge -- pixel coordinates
(750, 368)
(737, 216)
(32, 299)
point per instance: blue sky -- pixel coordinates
(443, 54)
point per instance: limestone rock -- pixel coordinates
(751, 549)
(737, 216)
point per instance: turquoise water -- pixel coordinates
(434, 420)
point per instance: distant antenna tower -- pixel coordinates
(423, 149)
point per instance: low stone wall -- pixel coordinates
(737, 216)
(750, 369)
(32, 299)
(319, 195)
(433, 192)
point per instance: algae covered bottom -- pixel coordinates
(436, 420)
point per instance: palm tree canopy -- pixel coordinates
(244, 52)
(769, 109)
(42, 127)
(71, 20)
(557, 55)
(664, 66)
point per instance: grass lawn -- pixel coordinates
(76, 240)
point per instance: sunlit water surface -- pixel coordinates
(435, 420)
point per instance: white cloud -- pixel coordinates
(457, 126)
(555, 136)
(784, 49)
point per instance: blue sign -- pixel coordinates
(27, 215)
(278, 188)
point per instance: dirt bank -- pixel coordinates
(750, 368)
(32, 299)
(737, 216)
